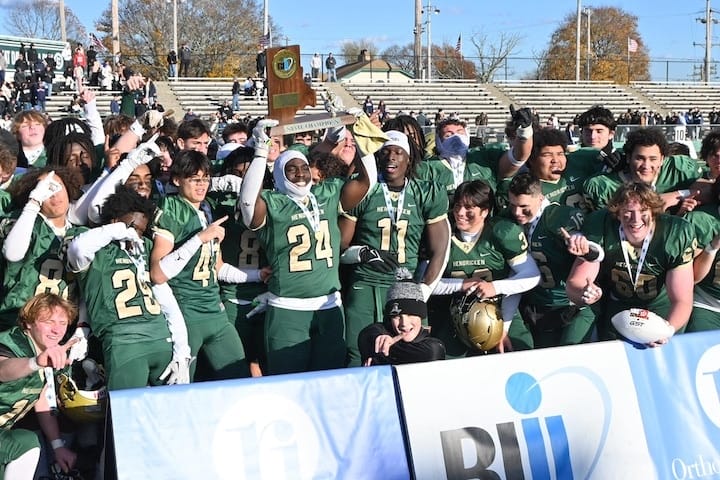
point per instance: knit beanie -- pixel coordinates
(405, 297)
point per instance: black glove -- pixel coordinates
(522, 118)
(614, 160)
(380, 260)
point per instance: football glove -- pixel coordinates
(177, 372)
(380, 260)
(45, 188)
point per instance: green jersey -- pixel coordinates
(423, 203)
(672, 245)
(304, 258)
(480, 164)
(17, 397)
(500, 242)
(240, 248)
(121, 306)
(547, 247)
(706, 221)
(42, 270)
(676, 173)
(195, 287)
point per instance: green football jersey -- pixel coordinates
(487, 257)
(195, 287)
(120, 303)
(547, 247)
(706, 221)
(240, 248)
(304, 262)
(18, 397)
(480, 164)
(424, 203)
(673, 244)
(677, 172)
(42, 270)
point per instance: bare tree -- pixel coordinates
(41, 19)
(223, 35)
(402, 56)
(492, 55)
(350, 50)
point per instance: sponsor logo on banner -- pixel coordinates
(268, 435)
(526, 415)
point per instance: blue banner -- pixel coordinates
(322, 425)
(678, 387)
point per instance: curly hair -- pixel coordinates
(126, 200)
(646, 137)
(640, 191)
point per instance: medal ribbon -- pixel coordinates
(641, 258)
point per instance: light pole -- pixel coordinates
(577, 42)
(429, 10)
(588, 13)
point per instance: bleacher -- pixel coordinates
(566, 99)
(465, 98)
(56, 106)
(681, 96)
(205, 96)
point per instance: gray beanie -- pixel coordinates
(405, 297)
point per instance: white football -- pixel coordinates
(642, 326)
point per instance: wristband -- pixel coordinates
(684, 193)
(33, 364)
(137, 129)
(513, 161)
(57, 443)
(709, 249)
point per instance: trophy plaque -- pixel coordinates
(288, 92)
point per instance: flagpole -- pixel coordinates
(628, 60)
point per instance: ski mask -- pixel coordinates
(282, 184)
(453, 146)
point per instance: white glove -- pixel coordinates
(45, 188)
(335, 135)
(152, 119)
(178, 371)
(260, 302)
(119, 231)
(260, 140)
(143, 153)
(356, 112)
(80, 350)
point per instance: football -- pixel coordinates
(641, 326)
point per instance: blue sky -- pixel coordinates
(667, 27)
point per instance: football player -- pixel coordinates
(297, 224)
(647, 263)
(385, 231)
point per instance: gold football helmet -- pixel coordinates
(478, 322)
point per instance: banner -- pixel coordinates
(334, 424)
(557, 413)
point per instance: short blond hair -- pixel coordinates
(29, 115)
(44, 303)
(640, 191)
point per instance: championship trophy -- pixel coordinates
(288, 93)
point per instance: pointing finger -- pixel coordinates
(220, 221)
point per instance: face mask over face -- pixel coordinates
(454, 146)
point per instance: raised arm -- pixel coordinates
(251, 205)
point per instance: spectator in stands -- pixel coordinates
(91, 55)
(3, 67)
(115, 105)
(315, 65)
(260, 62)
(401, 337)
(330, 64)
(383, 113)
(172, 61)
(184, 60)
(235, 95)
(368, 106)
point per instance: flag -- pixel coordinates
(632, 45)
(264, 40)
(458, 47)
(96, 42)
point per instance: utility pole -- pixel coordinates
(417, 33)
(577, 42)
(115, 31)
(708, 21)
(63, 29)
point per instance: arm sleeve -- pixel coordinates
(81, 251)
(508, 308)
(448, 286)
(250, 189)
(80, 210)
(175, 320)
(524, 277)
(17, 241)
(104, 187)
(92, 118)
(231, 274)
(175, 261)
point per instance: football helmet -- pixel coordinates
(82, 405)
(478, 322)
